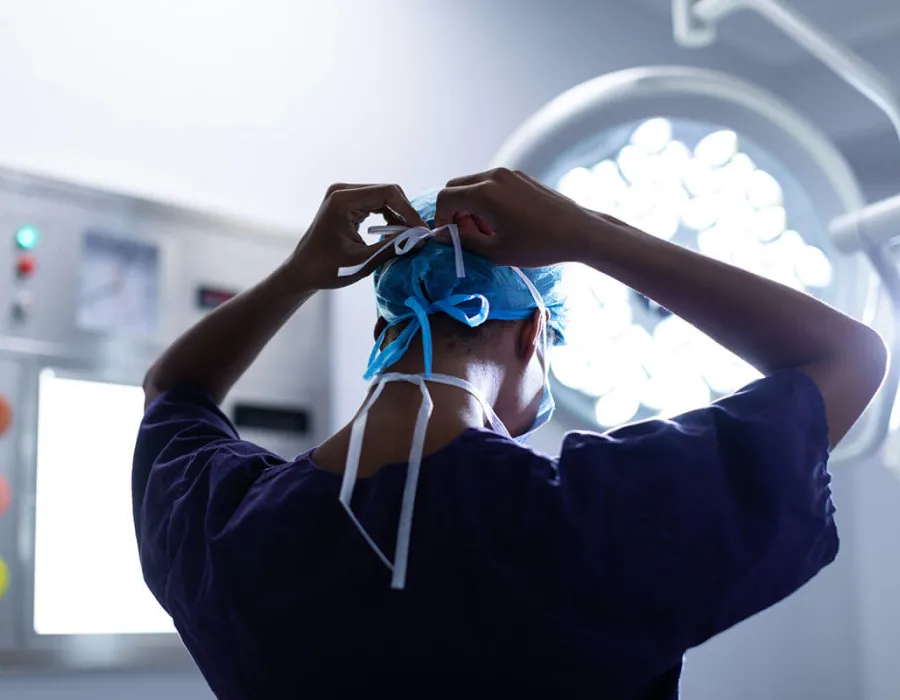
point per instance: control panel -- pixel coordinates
(26, 240)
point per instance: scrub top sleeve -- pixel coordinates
(699, 522)
(190, 473)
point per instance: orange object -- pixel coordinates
(6, 415)
(5, 496)
(25, 265)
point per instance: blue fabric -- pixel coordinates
(585, 576)
(414, 286)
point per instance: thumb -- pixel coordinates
(362, 259)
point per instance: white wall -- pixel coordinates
(878, 505)
(877, 509)
(255, 107)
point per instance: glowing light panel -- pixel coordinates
(87, 577)
(712, 198)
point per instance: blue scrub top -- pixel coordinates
(588, 575)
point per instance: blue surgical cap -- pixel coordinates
(412, 287)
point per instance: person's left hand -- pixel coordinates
(333, 240)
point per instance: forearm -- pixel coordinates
(768, 324)
(214, 353)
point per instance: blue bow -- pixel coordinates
(417, 319)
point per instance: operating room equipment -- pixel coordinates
(712, 162)
(97, 284)
(873, 229)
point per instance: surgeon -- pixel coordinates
(424, 550)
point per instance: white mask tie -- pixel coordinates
(407, 506)
(407, 240)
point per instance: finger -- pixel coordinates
(492, 174)
(478, 243)
(399, 204)
(390, 217)
(466, 225)
(338, 186)
(336, 193)
(470, 179)
(372, 198)
(483, 225)
(471, 237)
(460, 198)
(393, 219)
(406, 216)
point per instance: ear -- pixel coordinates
(529, 332)
(380, 325)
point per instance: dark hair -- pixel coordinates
(454, 335)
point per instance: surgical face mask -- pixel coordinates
(547, 405)
(404, 243)
(544, 414)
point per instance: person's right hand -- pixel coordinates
(512, 219)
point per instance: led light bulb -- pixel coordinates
(653, 135)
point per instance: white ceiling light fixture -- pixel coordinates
(707, 161)
(873, 229)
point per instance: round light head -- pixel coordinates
(706, 161)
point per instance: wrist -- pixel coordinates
(619, 250)
(589, 234)
(292, 282)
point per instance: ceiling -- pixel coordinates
(857, 23)
(871, 28)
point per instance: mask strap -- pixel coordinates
(459, 383)
(543, 309)
(457, 248)
(407, 507)
(407, 239)
(351, 468)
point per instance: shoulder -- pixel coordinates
(777, 413)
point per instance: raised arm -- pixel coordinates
(518, 221)
(213, 354)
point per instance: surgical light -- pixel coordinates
(873, 230)
(711, 163)
(737, 217)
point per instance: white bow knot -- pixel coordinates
(409, 237)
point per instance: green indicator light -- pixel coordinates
(27, 237)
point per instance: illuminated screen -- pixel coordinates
(87, 577)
